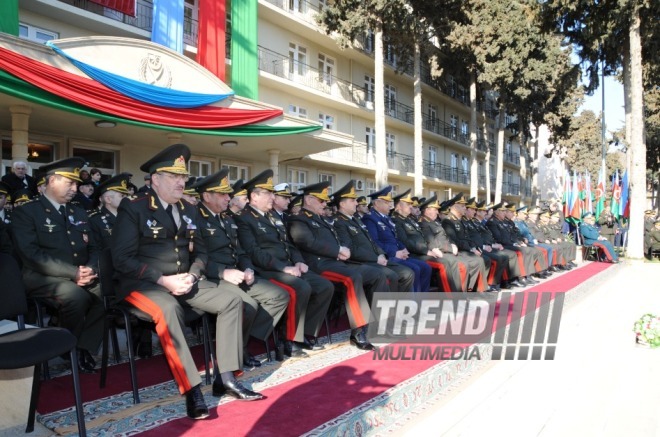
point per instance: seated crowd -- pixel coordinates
(253, 255)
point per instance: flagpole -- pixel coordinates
(602, 110)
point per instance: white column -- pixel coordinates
(20, 118)
(274, 163)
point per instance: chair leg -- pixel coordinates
(115, 344)
(131, 358)
(80, 413)
(40, 323)
(34, 396)
(208, 348)
(104, 352)
(327, 330)
(267, 345)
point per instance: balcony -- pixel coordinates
(400, 162)
(513, 158)
(304, 74)
(302, 9)
(142, 19)
(355, 155)
(444, 172)
(511, 189)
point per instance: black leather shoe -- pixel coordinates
(516, 283)
(292, 349)
(359, 340)
(531, 281)
(250, 361)
(236, 390)
(195, 406)
(86, 363)
(310, 345)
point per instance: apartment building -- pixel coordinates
(301, 70)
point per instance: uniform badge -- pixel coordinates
(189, 222)
(261, 228)
(85, 238)
(315, 225)
(49, 226)
(353, 229)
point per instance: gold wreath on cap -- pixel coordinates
(350, 194)
(178, 166)
(323, 195)
(74, 174)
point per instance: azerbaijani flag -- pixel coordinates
(588, 205)
(600, 193)
(616, 196)
(566, 200)
(625, 192)
(575, 210)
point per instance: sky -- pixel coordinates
(615, 117)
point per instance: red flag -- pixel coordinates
(125, 6)
(211, 36)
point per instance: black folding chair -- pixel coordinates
(32, 347)
(117, 308)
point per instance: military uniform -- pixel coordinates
(266, 242)
(500, 262)
(101, 224)
(264, 303)
(654, 239)
(528, 258)
(352, 233)
(52, 246)
(147, 244)
(590, 237)
(609, 226)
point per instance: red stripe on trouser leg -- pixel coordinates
(493, 268)
(505, 274)
(351, 296)
(290, 325)
(545, 255)
(554, 257)
(521, 263)
(442, 275)
(145, 304)
(462, 271)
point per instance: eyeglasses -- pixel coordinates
(178, 177)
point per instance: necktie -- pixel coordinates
(62, 211)
(171, 214)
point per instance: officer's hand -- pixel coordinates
(292, 270)
(437, 252)
(302, 267)
(454, 249)
(402, 254)
(487, 248)
(498, 246)
(177, 284)
(344, 253)
(476, 251)
(85, 276)
(382, 260)
(233, 276)
(249, 276)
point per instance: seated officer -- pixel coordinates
(281, 201)
(352, 233)
(238, 199)
(275, 258)
(160, 257)
(318, 242)
(84, 197)
(263, 303)
(654, 238)
(383, 232)
(410, 233)
(553, 236)
(52, 237)
(591, 237)
(110, 193)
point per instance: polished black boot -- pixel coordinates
(195, 406)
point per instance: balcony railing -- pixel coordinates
(304, 74)
(510, 189)
(302, 9)
(512, 157)
(400, 162)
(445, 172)
(356, 155)
(142, 19)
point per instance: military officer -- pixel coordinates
(409, 232)
(518, 216)
(264, 302)
(52, 238)
(362, 206)
(295, 205)
(383, 232)
(266, 241)
(238, 199)
(609, 225)
(591, 237)
(499, 260)
(654, 237)
(504, 232)
(458, 235)
(110, 194)
(352, 233)
(553, 235)
(85, 195)
(189, 194)
(649, 225)
(281, 201)
(4, 195)
(319, 244)
(560, 253)
(160, 257)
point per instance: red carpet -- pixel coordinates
(291, 408)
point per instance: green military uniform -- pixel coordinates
(264, 303)
(608, 225)
(149, 244)
(101, 223)
(267, 243)
(654, 238)
(52, 242)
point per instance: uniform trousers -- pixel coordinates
(80, 309)
(167, 312)
(422, 273)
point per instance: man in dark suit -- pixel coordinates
(160, 258)
(229, 265)
(275, 258)
(147, 185)
(52, 237)
(322, 251)
(352, 233)
(110, 194)
(85, 195)
(382, 230)
(19, 179)
(4, 196)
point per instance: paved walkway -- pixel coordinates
(600, 383)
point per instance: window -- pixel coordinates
(323, 177)
(369, 87)
(36, 34)
(453, 127)
(296, 6)
(369, 42)
(296, 179)
(370, 139)
(39, 152)
(190, 10)
(454, 167)
(480, 173)
(390, 100)
(433, 118)
(395, 190)
(328, 121)
(101, 158)
(237, 172)
(297, 111)
(199, 168)
(297, 59)
(390, 55)
(433, 155)
(371, 186)
(390, 141)
(326, 69)
(465, 129)
(507, 148)
(466, 171)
